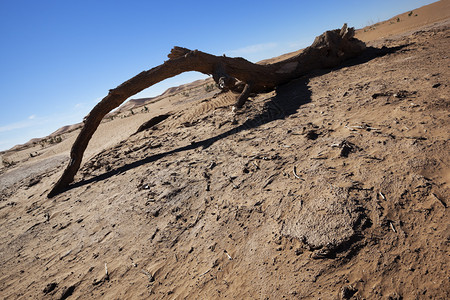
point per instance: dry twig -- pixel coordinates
(269, 181)
(106, 272)
(440, 200)
(150, 276)
(228, 255)
(204, 273)
(392, 227)
(294, 171)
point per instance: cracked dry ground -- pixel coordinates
(334, 186)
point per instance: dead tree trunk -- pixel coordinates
(236, 74)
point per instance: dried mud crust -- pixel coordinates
(334, 186)
(331, 222)
(28, 175)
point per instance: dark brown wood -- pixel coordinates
(236, 74)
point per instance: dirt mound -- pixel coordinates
(334, 186)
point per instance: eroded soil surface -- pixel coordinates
(334, 186)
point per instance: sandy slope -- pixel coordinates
(334, 186)
(406, 22)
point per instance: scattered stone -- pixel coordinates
(395, 296)
(34, 181)
(150, 277)
(322, 253)
(67, 292)
(348, 291)
(98, 282)
(155, 213)
(345, 151)
(50, 287)
(312, 135)
(404, 94)
(381, 94)
(347, 148)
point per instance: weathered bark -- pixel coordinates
(237, 74)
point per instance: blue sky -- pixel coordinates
(59, 58)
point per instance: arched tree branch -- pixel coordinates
(236, 74)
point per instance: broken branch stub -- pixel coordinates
(236, 74)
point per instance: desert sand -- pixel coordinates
(335, 186)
